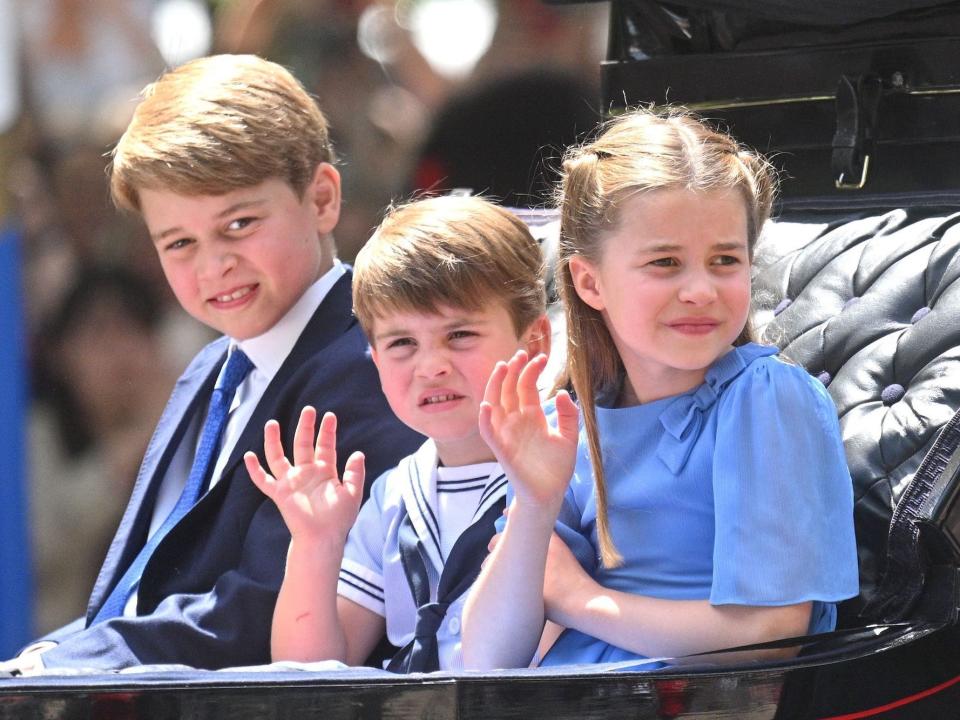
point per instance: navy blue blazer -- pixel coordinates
(207, 595)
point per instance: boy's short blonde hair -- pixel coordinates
(218, 124)
(463, 252)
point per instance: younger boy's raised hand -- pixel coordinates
(312, 498)
(537, 458)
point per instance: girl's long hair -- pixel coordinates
(640, 151)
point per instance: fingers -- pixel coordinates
(326, 450)
(509, 399)
(303, 437)
(528, 394)
(568, 416)
(493, 542)
(353, 475)
(491, 394)
(273, 449)
(259, 476)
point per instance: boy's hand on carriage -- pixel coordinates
(312, 498)
(537, 458)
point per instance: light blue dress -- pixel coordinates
(736, 492)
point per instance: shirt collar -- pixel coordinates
(269, 350)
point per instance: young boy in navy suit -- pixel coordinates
(228, 160)
(446, 289)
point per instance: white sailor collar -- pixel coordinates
(419, 492)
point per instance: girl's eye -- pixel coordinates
(727, 260)
(665, 262)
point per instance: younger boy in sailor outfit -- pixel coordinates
(445, 289)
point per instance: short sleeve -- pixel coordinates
(570, 528)
(782, 492)
(361, 572)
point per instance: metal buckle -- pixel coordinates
(841, 185)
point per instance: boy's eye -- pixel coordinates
(462, 334)
(239, 224)
(178, 244)
(400, 342)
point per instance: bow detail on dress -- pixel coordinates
(683, 418)
(682, 421)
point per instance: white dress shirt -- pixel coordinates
(267, 352)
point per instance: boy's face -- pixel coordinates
(239, 261)
(434, 369)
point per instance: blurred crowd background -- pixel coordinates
(422, 95)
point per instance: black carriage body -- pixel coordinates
(858, 104)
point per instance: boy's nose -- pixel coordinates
(433, 364)
(217, 262)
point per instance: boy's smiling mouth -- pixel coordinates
(233, 297)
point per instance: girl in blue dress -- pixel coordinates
(710, 504)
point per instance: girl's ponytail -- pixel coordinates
(592, 360)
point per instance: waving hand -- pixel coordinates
(314, 501)
(538, 459)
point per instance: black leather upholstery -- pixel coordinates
(869, 302)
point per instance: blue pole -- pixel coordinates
(15, 580)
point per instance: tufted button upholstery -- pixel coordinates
(874, 313)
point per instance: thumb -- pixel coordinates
(354, 473)
(257, 474)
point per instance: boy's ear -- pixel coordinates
(586, 281)
(536, 338)
(324, 193)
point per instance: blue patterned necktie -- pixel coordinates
(237, 367)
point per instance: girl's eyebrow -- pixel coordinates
(673, 247)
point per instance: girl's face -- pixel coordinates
(673, 286)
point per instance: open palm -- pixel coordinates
(312, 498)
(538, 458)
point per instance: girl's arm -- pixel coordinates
(504, 614)
(319, 509)
(655, 627)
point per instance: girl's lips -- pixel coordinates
(694, 326)
(234, 297)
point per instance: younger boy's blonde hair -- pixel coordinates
(219, 124)
(463, 252)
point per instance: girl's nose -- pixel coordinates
(697, 288)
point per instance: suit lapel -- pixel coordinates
(191, 388)
(331, 319)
